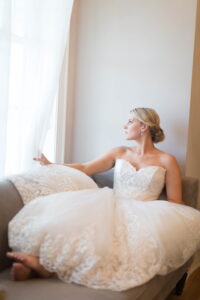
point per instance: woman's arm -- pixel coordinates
(44, 161)
(173, 180)
(101, 164)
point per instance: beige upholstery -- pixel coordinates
(158, 288)
(10, 204)
(51, 289)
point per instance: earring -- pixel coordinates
(141, 133)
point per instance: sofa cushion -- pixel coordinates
(10, 204)
(157, 288)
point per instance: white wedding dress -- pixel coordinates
(109, 238)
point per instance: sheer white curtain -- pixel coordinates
(33, 38)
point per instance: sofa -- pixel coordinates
(158, 288)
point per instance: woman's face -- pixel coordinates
(132, 128)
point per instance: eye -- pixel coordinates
(130, 122)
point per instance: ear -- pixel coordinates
(144, 127)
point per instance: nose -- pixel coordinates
(125, 126)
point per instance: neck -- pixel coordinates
(144, 146)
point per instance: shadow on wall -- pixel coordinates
(175, 143)
(179, 133)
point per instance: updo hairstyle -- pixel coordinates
(149, 117)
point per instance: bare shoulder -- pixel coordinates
(118, 152)
(169, 160)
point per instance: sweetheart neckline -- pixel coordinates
(142, 167)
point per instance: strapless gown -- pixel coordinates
(109, 238)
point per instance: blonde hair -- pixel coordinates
(149, 117)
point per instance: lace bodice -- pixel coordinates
(144, 184)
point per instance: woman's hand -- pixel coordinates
(43, 160)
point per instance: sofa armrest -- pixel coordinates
(10, 204)
(190, 190)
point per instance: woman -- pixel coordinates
(111, 238)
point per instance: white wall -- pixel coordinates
(131, 53)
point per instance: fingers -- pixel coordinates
(9, 254)
(43, 160)
(40, 159)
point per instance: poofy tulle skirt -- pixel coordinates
(97, 239)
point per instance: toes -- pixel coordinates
(16, 255)
(20, 258)
(19, 272)
(13, 271)
(12, 274)
(9, 254)
(27, 259)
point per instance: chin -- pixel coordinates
(128, 138)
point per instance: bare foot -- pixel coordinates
(31, 262)
(20, 272)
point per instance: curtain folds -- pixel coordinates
(33, 38)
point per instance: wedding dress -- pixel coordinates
(109, 238)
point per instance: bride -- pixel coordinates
(110, 238)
